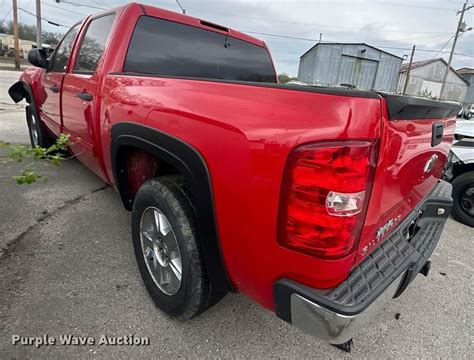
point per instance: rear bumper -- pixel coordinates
(336, 315)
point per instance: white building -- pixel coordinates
(427, 77)
(25, 45)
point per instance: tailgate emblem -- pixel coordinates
(381, 231)
(430, 163)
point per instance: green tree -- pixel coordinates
(283, 78)
(51, 38)
(427, 94)
(28, 32)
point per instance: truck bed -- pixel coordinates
(245, 132)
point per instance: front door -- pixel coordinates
(50, 100)
(80, 103)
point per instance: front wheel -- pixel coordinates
(167, 249)
(38, 135)
(463, 196)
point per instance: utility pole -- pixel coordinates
(320, 38)
(407, 77)
(38, 24)
(15, 35)
(459, 30)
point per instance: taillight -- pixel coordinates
(325, 191)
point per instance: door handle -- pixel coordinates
(54, 88)
(84, 95)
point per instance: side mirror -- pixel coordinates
(38, 57)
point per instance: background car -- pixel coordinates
(460, 172)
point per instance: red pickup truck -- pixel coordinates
(319, 203)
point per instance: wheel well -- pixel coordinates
(156, 153)
(140, 166)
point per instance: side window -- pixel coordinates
(64, 50)
(93, 44)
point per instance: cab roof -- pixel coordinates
(200, 23)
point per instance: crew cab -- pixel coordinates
(318, 203)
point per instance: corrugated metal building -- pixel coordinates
(356, 64)
(468, 74)
(428, 76)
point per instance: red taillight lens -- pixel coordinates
(324, 197)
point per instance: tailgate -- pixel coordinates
(416, 138)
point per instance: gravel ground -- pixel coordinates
(67, 267)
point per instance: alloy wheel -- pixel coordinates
(34, 130)
(160, 250)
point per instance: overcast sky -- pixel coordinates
(390, 25)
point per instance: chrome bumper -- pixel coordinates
(336, 315)
(333, 327)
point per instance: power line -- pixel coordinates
(182, 8)
(314, 24)
(439, 52)
(83, 5)
(315, 40)
(11, 9)
(48, 21)
(279, 36)
(418, 38)
(405, 4)
(413, 6)
(459, 30)
(348, 2)
(96, 3)
(8, 13)
(64, 9)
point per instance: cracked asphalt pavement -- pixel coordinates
(67, 267)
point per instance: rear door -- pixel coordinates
(80, 92)
(417, 137)
(53, 78)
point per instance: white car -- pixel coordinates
(469, 112)
(460, 172)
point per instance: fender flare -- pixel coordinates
(21, 90)
(193, 167)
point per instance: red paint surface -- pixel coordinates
(245, 134)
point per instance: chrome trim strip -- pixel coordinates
(333, 327)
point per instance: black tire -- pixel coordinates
(194, 295)
(39, 136)
(460, 185)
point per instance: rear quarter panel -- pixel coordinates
(245, 133)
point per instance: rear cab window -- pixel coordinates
(167, 48)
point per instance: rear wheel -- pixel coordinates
(463, 196)
(167, 249)
(38, 134)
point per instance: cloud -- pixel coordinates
(397, 24)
